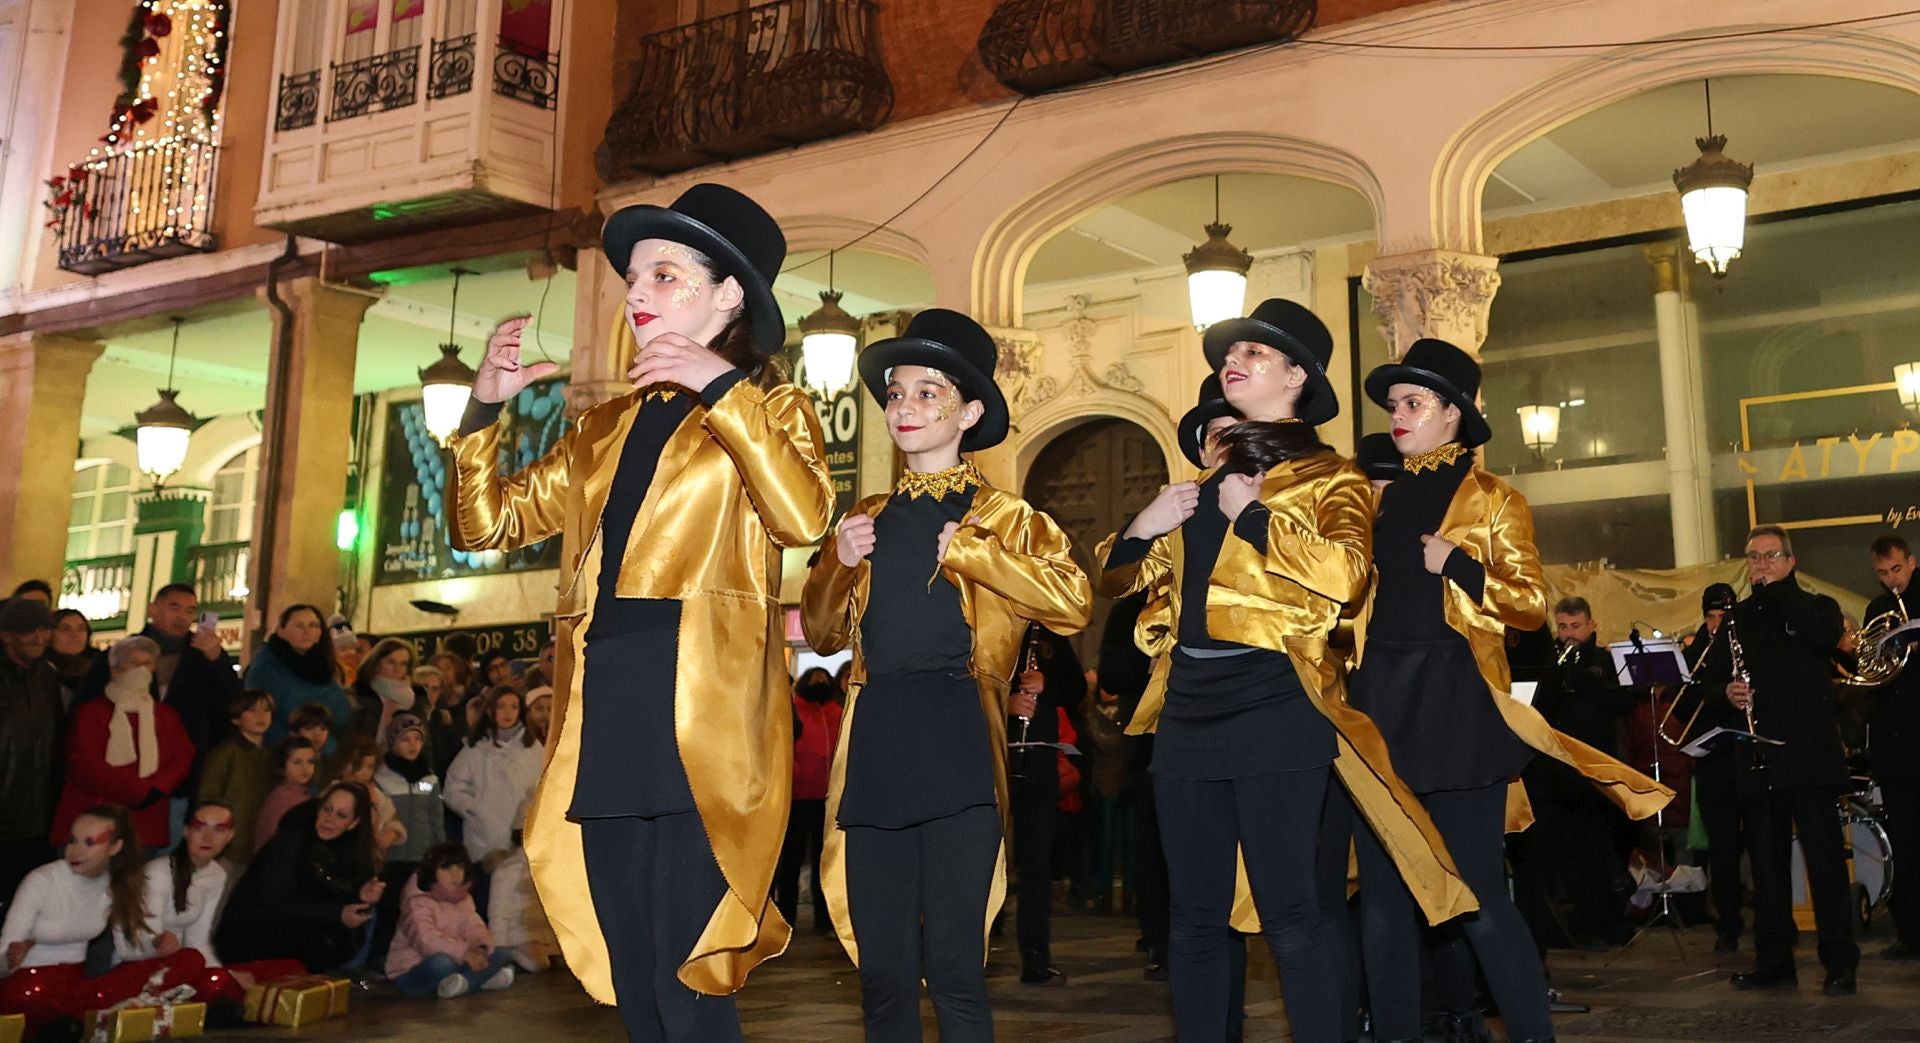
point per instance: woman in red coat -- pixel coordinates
(128, 748)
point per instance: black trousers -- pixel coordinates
(1272, 819)
(1900, 804)
(918, 899)
(1773, 817)
(655, 886)
(1036, 815)
(1716, 789)
(805, 825)
(1330, 874)
(1150, 903)
(1473, 824)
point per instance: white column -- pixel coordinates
(1683, 398)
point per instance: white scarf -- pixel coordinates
(131, 693)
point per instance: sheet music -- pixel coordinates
(1716, 738)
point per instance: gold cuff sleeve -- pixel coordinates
(1516, 588)
(1335, 558)
(1121, 580)
(774, 440)
(491, 512)
(1038, 577)
(827, 612)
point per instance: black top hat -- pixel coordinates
(1212, 406)
(1378, 459)
(955, 345)
(741, 239)
(1444, 368)
(1717, 597)
(1299, 334)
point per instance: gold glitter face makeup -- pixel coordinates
(1263, 366)
(675, 251)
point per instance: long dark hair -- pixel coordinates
(1252, 446)
(370, 663)
(485, 729)
(126, 872)
(315, 665)
(183, 860)
(356, 843)
(735, 342)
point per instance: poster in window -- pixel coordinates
(407, 10)
(526, 26)
(415, 497)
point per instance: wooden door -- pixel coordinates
(1091, 479)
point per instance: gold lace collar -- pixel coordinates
(938, 484)
(1434, 459)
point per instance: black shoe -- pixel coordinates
(1900, 951)
(1840, 983)
(1759, 978)
(1042, 977)
(1464, 1028)
(1724, 945)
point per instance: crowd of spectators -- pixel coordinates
(167, 818)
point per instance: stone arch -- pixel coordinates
(1006, 248)
(1461, 174)
(1035, 429)
(828, 232)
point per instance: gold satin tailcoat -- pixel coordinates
(1318, 564)
(1011, 564)
(1490, 521)
(733, 485)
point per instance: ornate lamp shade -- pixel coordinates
(829, 339)
(1217, 278)
(162, 435)
(1907, 378)
(1539, 427)
(1713, 196)
(445, 388)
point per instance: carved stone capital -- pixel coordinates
(1433, 293)
(1017, 370)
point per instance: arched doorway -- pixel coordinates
(1091, 478)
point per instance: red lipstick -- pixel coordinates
(641, 318)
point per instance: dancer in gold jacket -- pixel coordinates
(658, 821)
(933, 587)
(1259, 562)
(1455, 567)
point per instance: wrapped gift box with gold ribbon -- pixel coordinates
(299, 1000)
(12, 1027)
(121, 1025)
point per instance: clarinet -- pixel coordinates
(1031, 663)
(1741, 674)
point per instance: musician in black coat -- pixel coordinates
(1702, 707)
(1893, 743)
(1786, 637)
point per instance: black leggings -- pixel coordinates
(805, 825)
(918, 900)
(1273, 818)
(655, 885)
(1473, 824)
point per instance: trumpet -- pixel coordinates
(1740, 673)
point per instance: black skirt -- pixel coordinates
(917, 751)
(1437, 715)
(1229, 717)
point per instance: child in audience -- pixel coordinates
(314, 723)
(359, 758)
(240, 770)
(299, 761)
(443, 947)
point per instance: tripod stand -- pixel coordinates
(1664, 916)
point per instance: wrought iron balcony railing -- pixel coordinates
(220, 576)
(530, 76)
(767, 77)
(299, 101)
(1034, 46)
(136, 206)
(450, 69)
(375, 84)
(101, 588)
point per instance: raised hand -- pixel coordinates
(501, 374)
(1175, 504)
(854, 539)
(1237, 491)
(1437, 551)
(946, 537)
(673, 359)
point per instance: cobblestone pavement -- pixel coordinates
(1668, 987)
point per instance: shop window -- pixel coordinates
(230, 508)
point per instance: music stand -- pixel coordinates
(1648, 663)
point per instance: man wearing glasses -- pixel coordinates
(1786, 638)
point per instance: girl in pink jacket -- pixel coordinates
(442, 946)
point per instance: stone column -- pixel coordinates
(309, 440)
(1683, 396)
(1433, 293)
(43, 381)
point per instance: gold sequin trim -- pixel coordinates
(938, 484)
(1434, 459)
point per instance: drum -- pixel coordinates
(1869, 861)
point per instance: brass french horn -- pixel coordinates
(1875, 663)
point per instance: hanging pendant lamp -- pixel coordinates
(164, 428)
(447, 385)
(1217, 273)
(1713, 196)
(829, 339)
